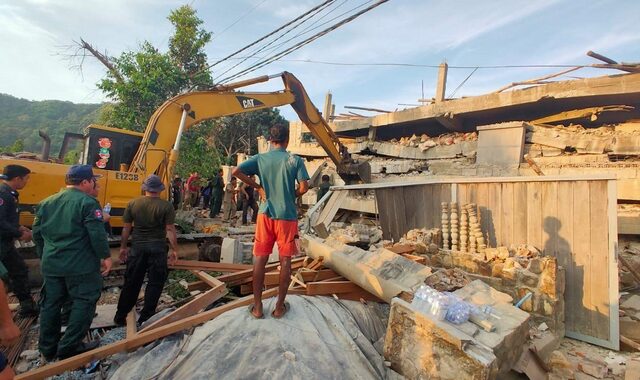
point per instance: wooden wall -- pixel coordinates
(573, 219)
(404, 208)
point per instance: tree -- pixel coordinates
(139, 82)
(186, 46)
(237, 134)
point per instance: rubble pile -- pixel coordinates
(578, 360)
(364, 234)
(447, 280)
(423, 240)
(424, 142)
(630, 317)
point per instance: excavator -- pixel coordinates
(124, 158)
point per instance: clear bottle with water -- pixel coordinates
(107, 208)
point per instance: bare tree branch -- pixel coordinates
(102, 58)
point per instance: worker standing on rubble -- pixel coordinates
(277, 221)
(153, 220)
(72, 242)
(229, 204)
(216, 194)
(15, 177)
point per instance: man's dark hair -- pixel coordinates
(12, 171)
(325, 178)
(279, 133)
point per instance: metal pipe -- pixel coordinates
(183, 121)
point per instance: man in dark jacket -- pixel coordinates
(71, 240)
(216, 195)
(15, 177)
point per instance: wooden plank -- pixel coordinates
(273, 278)
(197, 285)
(190, 308)
(576, 297)
(413, 210)
(549, 210)
(140, 339)
(331, 287)
(242, 277)
(534, 215)
(208, 279)
(507, 215)
(519, 213)
(599, 264)
(614, 291)
(492, 224)
(208, 266)
(383, 201)
(566, 223)
(432, 216)
(132, 328)
(459, 180)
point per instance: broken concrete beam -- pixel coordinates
(231, 251)
(512, 329)
(419, 346)
(383, 273)
(501, 144)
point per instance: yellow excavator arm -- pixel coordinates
(160, 145)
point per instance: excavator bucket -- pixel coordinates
(356, 172)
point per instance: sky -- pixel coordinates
(37, 39)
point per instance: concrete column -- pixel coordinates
(326, 111)
(442, 82)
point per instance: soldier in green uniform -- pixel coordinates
(71, 240)
(15, 177)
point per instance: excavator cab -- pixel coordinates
(110, 148)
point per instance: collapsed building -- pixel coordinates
(511, 206)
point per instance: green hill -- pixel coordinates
(20, 119)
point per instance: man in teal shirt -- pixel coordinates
(277, 221)
(71, 240)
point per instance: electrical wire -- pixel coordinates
(268, 35)
(303, 43)
(239, 18)
(313, 25)
(301, 19)
(462, 83)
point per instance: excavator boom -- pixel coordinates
(159, 148)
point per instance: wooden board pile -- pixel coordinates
(309, 277)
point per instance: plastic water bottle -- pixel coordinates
(107, 208)
(458, 311)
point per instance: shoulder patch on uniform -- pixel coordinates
(98, 213)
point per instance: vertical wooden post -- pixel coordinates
(442, 82)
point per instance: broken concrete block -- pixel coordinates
(231, 251)
(503, 253)
(419, 347)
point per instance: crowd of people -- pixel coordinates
(70, 235)
(216, 196)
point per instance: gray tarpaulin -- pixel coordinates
(319, 338)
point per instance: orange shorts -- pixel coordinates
(270, 231)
